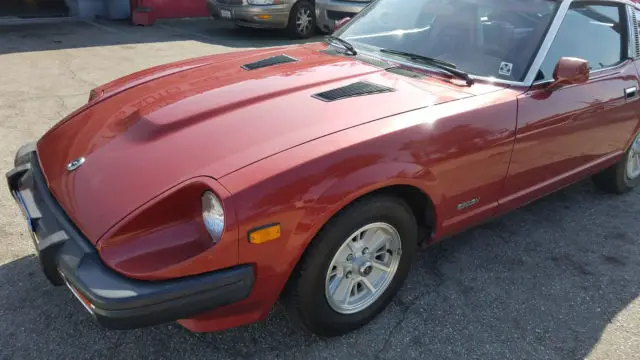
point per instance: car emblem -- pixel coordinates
(75, 164)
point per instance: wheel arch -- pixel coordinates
(419, 201)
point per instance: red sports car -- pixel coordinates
(204, 190)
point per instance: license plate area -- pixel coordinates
(226, 14)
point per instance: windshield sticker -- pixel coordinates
(505, 68)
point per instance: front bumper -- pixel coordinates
(329, 12)
(115, 301)
(261, 16)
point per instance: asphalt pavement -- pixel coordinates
(557, 279)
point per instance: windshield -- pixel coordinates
(490, 38)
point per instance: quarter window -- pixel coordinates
(591, 32)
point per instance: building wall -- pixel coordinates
(109, 9)
(86, 8)
(121, 9)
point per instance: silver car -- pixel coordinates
(329, 12)
(299, 17)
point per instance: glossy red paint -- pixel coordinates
(166, 237)
(570, 71)
(154, 141)
(570, 132)
(184, 117)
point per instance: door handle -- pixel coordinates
(630, 93)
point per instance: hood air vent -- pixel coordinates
(360, 88)
(275, 60)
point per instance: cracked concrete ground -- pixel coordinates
(557, 279)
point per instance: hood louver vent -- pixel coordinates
(636, 33)
(360, 88)
(275, 60)
(405, 72)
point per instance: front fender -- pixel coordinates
(374, 177)
(303, 187)
(340, 192)
(302, 201)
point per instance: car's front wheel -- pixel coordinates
(354, 266)
(302, 20)
(624, 175)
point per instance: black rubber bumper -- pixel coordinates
(116, 302)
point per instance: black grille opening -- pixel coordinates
(275, 60)
(636, 33)
(339, 15)
(360, 88)
(406, 72)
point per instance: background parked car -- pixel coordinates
(299, 17)
(329, 12)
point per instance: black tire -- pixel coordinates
(305, 297)
(292, 28)
(614, 179)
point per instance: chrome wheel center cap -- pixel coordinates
(365, 269)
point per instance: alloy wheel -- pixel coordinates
(363, 267)
(633, 160)
(304, 21)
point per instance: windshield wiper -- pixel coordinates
(343, 43)
(440, 64)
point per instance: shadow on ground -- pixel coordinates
(542, 282)
(80, 34)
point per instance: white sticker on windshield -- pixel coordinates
(505, 68)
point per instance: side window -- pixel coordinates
(595, 33)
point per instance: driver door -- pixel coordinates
(568, 133)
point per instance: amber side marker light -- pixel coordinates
(263, 17)
(264, 234)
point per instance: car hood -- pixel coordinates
(152, 130)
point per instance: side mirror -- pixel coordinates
(341, 23)
(570, 71)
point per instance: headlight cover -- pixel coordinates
(264, 2)
(213, 215)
